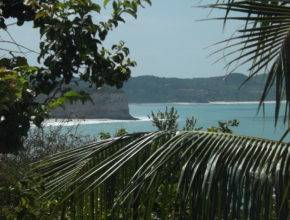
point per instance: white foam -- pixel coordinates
(53, 122)
(248, 102)
(142, 118)
(185, 103)
(209, 103)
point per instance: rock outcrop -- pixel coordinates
(107, 103)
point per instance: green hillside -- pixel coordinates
(150, 89)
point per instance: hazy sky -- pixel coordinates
(166, 40)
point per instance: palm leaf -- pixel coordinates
(171, 175)
(264, 41)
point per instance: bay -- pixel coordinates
(251, 123)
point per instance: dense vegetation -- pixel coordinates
(170, 175)
(188, 174)
(19, 193)
(71, 44)
(148, 89)
(153, 89)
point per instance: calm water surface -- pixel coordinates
(251, 122)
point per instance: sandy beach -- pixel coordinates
(219, 102)
(70, 122)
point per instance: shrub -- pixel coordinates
(19, 193)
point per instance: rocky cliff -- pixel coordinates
(106, 103)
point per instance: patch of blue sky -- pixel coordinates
(166, 39)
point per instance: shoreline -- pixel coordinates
(70, 122)
(207, 103)
(243, 102)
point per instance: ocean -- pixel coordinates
(252, 123)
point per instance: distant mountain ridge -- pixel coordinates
(153, 89)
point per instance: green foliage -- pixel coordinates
(166, 121)
(224, 126)
(171, 175)
(20, 193)
(190, 124)
(121, 132)
(15, 9)
(68, 97)
(71, 46)
(107, 135)
(17, 108)
(181, 174)
(104, 135)
(24, 202)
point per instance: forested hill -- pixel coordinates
(150, 89)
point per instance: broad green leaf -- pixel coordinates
(186, 175)
(105, 3)
(40, 14)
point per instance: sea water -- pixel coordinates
(252, 123)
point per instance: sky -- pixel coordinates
(166, 39)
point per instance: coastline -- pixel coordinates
(242, 102)
(71, 122)
(207, 103)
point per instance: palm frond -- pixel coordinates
(264, 42)
(171, 175)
